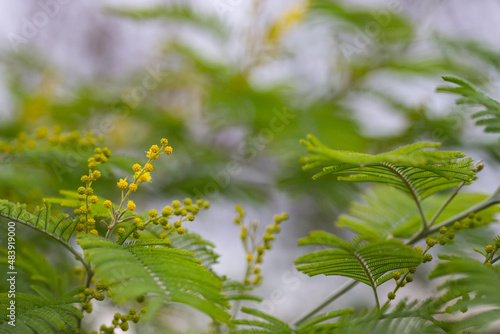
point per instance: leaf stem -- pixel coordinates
(412, 191)
(334, 296)
(445, 204)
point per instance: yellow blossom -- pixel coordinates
(168, 150)
(154, 149)
(107, 204)
(136, 168)
(131, 206)
(153, 214)
(132, 187)
(122, 184)
(146, 177)
(95, 175)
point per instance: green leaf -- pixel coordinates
(412, 317)
(364, 262)
(40, 315)
(192, 242)
(410, 168)
(472, 97)
(149, 267)
(58, 227)
(269, 324)
(469, 283)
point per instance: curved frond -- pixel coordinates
(489, 117)
(192, 242)
(412, 317)
(410, 168)
(267, 324)
(59, 227)
(39, 315)
(469, 284)
(150, 267)
(364, 262)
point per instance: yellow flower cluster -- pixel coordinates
(52, 137)
(185, 211)
(254, 248)
(121, 321)
(84, 216)
(141, 174)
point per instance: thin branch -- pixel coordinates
(492, 200)
(445, 204)
(334, 296)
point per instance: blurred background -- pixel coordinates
(234, 85)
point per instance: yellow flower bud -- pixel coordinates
(122, 184)
(130, 206)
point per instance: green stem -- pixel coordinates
(330, 299)
(492, 200)
(445, 204)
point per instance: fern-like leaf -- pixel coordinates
(150, 267)
(364, 262)
(192, 242)
(411, 168)
(489, 117)
(412, 317)
(59, 227)
(469, 284)
(267, 324)
(39, 315)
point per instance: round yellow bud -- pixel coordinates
(130, 206)
(122, 184)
